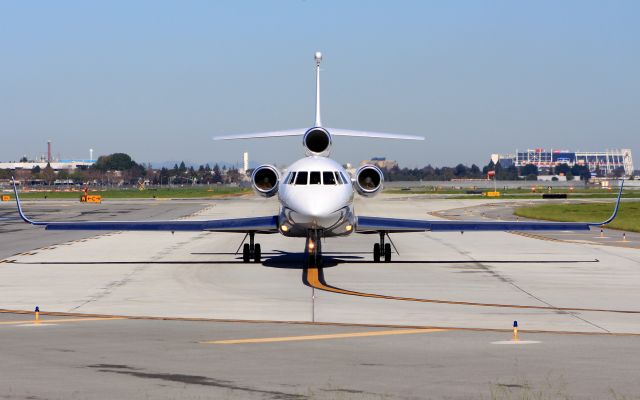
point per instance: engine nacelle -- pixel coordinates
(265, 179)
(369, 180)
(317, 142)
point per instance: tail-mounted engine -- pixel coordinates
(369, 180)
(317, 142)
(264, 180)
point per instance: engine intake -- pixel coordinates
(317, 141)
(264, 180)
(369, 180)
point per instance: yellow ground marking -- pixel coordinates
(313, 279)
(324, 337)
(56, 321)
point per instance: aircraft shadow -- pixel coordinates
(286, 260)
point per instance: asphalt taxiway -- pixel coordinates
(163, 315)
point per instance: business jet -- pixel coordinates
(316, 201)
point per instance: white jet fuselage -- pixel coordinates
(316, 194)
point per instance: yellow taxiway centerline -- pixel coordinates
(324, 337)
(56, 321)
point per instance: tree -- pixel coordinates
(63, 174)
(528, 170)
(164, 175)
(510, 174)
(5, 173)
(24, 159)
(35, 170)
(460, 170)
(475, 171)
(233, 176)
(217, 176)
(582, 171)
(183, 168)
(115, 162)
(48, 174)
(562, 169)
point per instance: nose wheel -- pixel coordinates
(251, 251)
(382, 250)
(313, 249)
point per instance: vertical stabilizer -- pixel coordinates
(318, 58)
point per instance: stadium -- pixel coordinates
(605, 161)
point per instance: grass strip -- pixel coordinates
(628, 217)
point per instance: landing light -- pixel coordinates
(284, 228)
(311, 245)
(348, 228)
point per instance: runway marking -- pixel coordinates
(324, 337)
(310, 323)
(516, 342)
(56, 321)
(314, 277)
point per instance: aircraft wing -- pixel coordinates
(268, 224)
(390, 225)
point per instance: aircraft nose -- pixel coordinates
(315, 206)
(320, 207)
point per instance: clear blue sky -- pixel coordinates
(158, 79)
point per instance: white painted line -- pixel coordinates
(36, 324)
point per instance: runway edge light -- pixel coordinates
(37, 311)
(515, 331)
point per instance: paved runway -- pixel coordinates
(422, 326)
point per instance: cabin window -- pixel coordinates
(292, 177)
(314, 178)
(301, 178)
(328, 178)
(346, 181)
(338, 178)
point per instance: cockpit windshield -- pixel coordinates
(328, 178)
(301, 178)
(315, 178)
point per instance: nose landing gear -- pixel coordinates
(313, 249)
(251, 250)
(382, 250)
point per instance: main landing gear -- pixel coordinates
(251, 251)
(382, 250)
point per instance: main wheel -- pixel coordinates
(256, 253)
(387, 252)
(376, 252)
(246, 253)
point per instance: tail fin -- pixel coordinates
(318, 58)
(318, 123)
